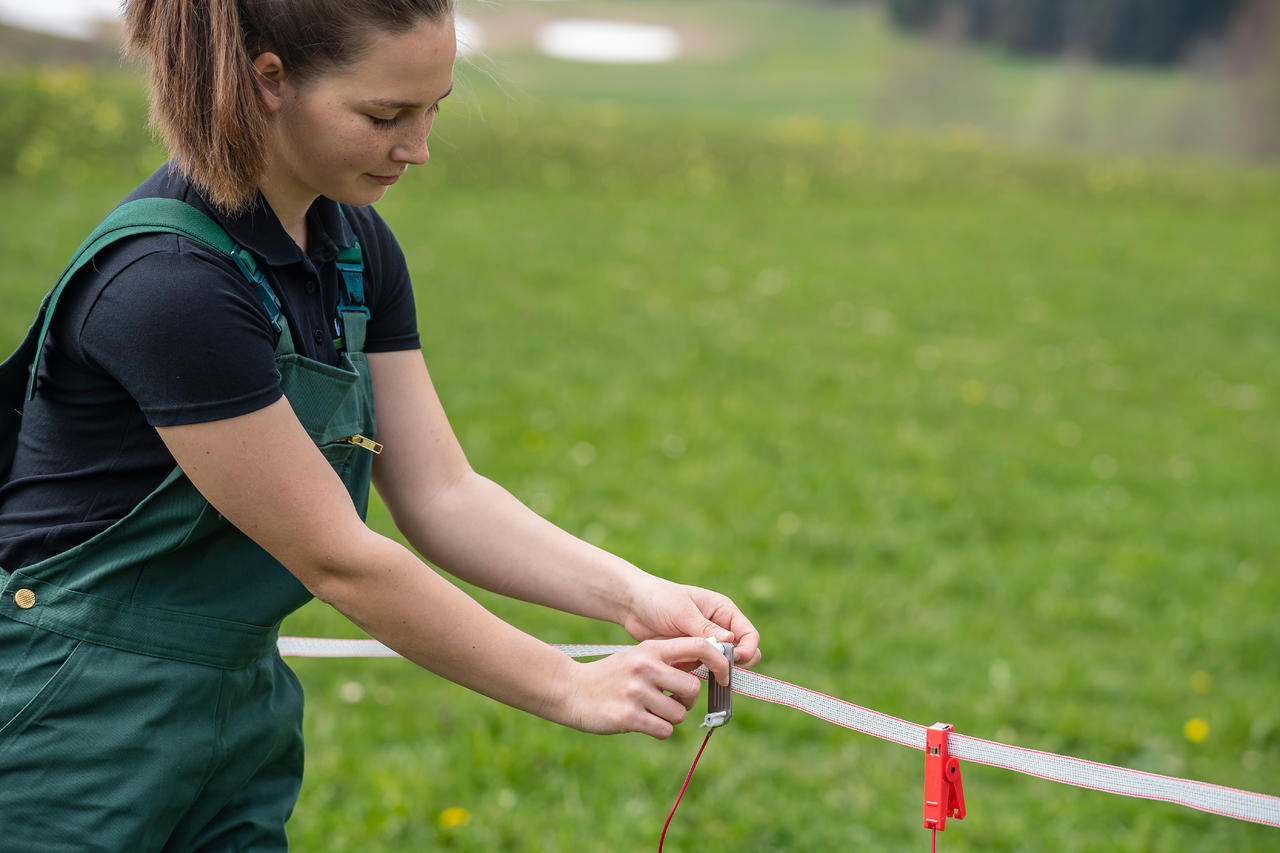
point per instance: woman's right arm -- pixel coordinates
(263, 473)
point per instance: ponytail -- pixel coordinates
(204, 98)
(204, 91)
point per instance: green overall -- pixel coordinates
(143, 704)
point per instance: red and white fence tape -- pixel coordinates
(1215, 799)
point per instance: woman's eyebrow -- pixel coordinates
(393, 104)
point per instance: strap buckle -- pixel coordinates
(249, 268)
(353, 281)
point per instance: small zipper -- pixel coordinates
(361, 441)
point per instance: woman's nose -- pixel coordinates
(413, 149)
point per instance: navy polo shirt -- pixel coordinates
(162, 331)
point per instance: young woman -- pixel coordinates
(196, 441)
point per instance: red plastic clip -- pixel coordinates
(943, 793)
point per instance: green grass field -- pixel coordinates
(975, 432)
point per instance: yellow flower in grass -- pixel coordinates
(1196, 729)
(454, 817)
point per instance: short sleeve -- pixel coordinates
(186, 338)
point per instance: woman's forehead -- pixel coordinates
(410, 68)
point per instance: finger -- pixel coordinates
(707, 628)
(746, 651)
(746, 639)
(666, 708)
(696, 648)
(655, 727)
(746, 642)
(727, 617)
(683, 686)
(749, 662)
(638, 718)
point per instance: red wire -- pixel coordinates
(682, 788)
(662, 838)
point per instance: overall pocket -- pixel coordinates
(40, 668)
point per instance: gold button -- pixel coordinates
(24, 598)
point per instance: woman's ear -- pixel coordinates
(269, 72)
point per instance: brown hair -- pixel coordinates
(204, 93)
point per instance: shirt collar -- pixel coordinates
(327, 230)
(259, 230)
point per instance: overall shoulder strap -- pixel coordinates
(352, 308)
(151, 215)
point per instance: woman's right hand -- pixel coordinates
(647, 688)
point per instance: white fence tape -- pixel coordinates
(1215, 799)
(313, 647)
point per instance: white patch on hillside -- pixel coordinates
(608, 41)
(77, 19)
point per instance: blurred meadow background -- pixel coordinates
(950, 354)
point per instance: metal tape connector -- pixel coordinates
(719, 696)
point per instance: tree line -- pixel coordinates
(1130, 31)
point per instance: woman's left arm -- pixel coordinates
(478, 531)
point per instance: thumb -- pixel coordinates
(713, 631)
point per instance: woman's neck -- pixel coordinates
(289, 207)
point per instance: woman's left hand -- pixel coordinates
(662, 609)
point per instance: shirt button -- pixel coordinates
(319, 336)
(310, 286)
(24, 598)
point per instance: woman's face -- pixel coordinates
(351, 133)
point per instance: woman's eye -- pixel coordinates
(380, 121)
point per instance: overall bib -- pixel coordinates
(143, 704)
